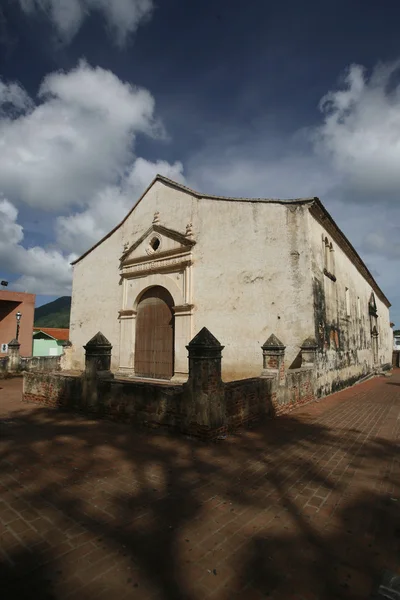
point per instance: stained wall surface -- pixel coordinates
(243, 269)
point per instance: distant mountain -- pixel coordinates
(54, 314)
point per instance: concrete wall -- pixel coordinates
(247, 279)
(342, 322)
(46, 347)
(41, 363)
(10, 304)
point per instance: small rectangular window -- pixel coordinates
(358, 308)
(347, 302)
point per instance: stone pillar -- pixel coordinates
(273, 358)
(14, 358)
(98, 357)
(205, 383)
(183, 333)
(308, 352)
(127, 320)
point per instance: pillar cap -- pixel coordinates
(98, 340)
(14, 343)
(204, 339)
(309, 344)
(273, 343)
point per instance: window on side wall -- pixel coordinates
(348, 313)
(329, 258)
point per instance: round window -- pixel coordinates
(155, 244)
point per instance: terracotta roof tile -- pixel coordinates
(57, 333)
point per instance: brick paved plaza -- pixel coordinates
(306, 506)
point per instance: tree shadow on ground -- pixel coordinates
(296, 505)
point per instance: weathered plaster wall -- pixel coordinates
(96, 299)
(248, 278)
(97, 292)
(342, 327)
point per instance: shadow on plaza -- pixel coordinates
(145, 516)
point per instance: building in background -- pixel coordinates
(12, 303)
(49, 341)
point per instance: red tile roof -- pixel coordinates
(57, 333)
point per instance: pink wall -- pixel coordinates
(10, 304)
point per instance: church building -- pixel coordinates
(245, 268)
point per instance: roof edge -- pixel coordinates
(350, 251)
(188, 190)
(45, 333)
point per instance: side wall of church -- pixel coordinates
(342, 319)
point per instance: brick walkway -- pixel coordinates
(306, 506)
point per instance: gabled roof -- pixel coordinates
(317, 209)
(59, 334)
(189, 191)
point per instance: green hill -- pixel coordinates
(54, 314)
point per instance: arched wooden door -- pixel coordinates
(154, 343)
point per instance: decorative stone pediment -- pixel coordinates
(161, 257)
(156, 243)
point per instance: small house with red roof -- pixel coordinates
(49, 341)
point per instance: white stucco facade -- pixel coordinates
(242, 268)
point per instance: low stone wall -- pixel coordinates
(55, 390)
(170, 406)
(41, 363)
(16, 365)
(143, 403)
(204, 406)
(298, 389)
(247, 401)
(148, 404)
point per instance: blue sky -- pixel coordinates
(265, 99)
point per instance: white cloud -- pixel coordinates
(78, 140)
(81, 230)
(123, 17)
(72, 152)
(360, 133)
(13, 98)
(41, 271)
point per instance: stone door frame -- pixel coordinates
(175, 275)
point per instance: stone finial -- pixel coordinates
(156, 218)
(273, 343)
(189, 230)
(97, 340)
(98, 357)
(308, 352)
(205, 339)
(309, 344)
(273, 356)
(204, 345)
